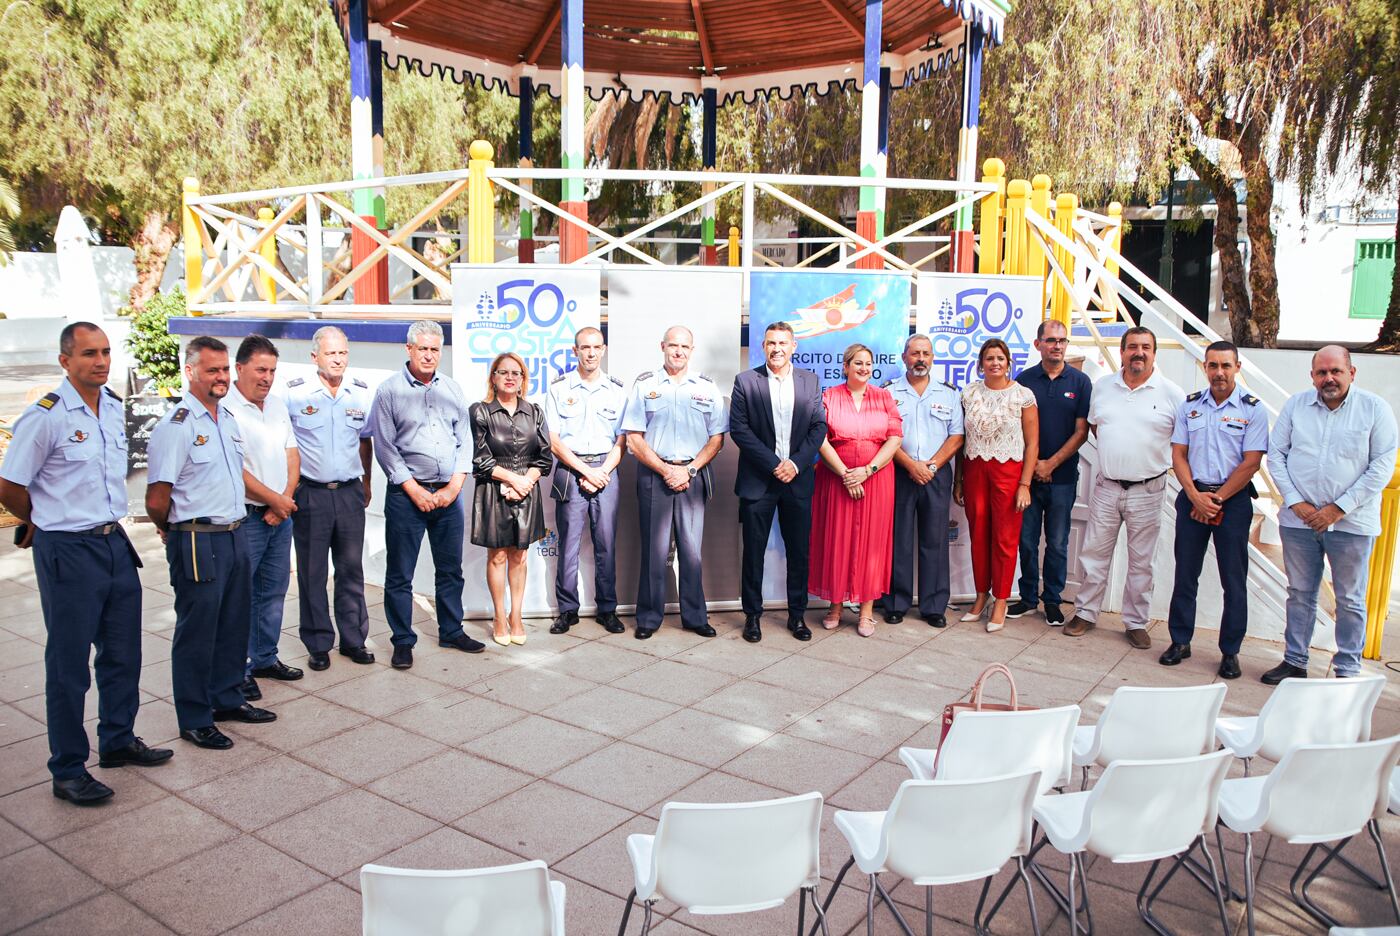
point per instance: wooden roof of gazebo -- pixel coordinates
(745, 48)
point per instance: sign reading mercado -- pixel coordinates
(960, 311)
(829, 311)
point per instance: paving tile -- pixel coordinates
(735, 658)
(24, 763)
(850, 649)
(264, 793)
(266, 879)
(330, 908)
(610, 711)
(22, 682)
(41, 815)
(304, 721)
(21, 651)
(798, 766)
(933, 665)
(193, 765)
(674, 682)
(700, 737)
(531, 688)
(537, 745)
(13, 839)
(760, 704)
(38, 883)
(104, 915)
(628, 776)
(807, 674)
(718, 787)
(873, 789)
(444, 849)
(852, 728)
(598, 661)
(382, 692)
(543, 821)
(135, 843)
(17, 726)
(449, 785)
(603, 864)
(369, 752)
(345, 832)
(589, 910)
(903, 697)
(455, 717)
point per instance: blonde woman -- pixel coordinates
(510, 454)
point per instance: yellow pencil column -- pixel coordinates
(991, 209)
(481, 206)
(194, 246)
(1035, 255)
(1018, 194)
(268, 251)
(1066, 204)
(1382, 567)
(733, 251)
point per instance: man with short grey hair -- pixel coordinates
(330, 417)
(422, 438)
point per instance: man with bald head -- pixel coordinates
(1331, 454)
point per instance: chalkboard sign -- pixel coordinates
(142, 414)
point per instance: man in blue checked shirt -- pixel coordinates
(1331, 455)
(64, 477)
(1219, 440)
(423, 440)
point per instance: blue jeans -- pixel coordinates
(270, 563)
(1051, 506)
(404, 526)
(1350, 557)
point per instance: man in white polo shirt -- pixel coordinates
(271, 465)
(1132, 414)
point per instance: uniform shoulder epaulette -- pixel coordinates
(179, 415)
(707, 377)
(110, 392)
(1193, 397)
(47, 401)
(359, 383)
(1250, 399)
(647, 375)
(950, 386)
(890, 382)
(616, 380)
(558, 379)
(296, 382)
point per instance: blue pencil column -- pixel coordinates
(526, 251)
(573, 240)
(872, 152)
(967, 144)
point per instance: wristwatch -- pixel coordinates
(691, 470)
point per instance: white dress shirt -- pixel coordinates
(782, 394)
(267, 434)
(1134, 427)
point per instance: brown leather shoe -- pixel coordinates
(1078, 627)
(1139, 638)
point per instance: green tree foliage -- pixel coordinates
(9, 210)
(155, 350)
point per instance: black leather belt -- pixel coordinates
(1208, 488)
(107, 529)
(678, 461)
(327, 485)
(256, 508)
(592, 461)
(426, 485)
(200, 526)
(1130, 484)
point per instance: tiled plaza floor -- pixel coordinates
(555, 750)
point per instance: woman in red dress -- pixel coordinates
(853, 504)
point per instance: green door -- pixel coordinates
(1372, 277)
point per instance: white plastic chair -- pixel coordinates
(519, 899)
(993, 744)
(1138, 811)
(1318, 794)
(719, 858)
(940, 832)
(1364, 931)
(1304, 711)
(1150, 723)
(1395, 791)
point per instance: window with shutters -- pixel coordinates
(1371, 278)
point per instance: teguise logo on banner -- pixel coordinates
(959, 313)
(532, 319)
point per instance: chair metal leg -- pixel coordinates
(1374, 828)
(1084, 890)
(1206, 876)
(646, 918)
(1298, 884)
(870, 908)
(1215, 881)
(802, 912)
(928, 908)
(1084, 778)
(1230, 892)
(1249, 881)
(1247, 761)
(889, 905)
(831, 895)
(1073, 910)
(627, 912)
(821, 911)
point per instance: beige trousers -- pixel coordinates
(1111, 506)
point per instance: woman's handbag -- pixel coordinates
(975, 704)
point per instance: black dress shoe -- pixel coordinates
(320, 661)
(1020, 609)
(563, 622)
(245, 713)
(211, 738)
(1229, 666)
(403, 658)
(278, 670)
(82, 790)
(799, 628)
(644, 633)
(610, 623)
(894, 617)
(1175, 654)
(464, 643)
(704, 630)
(1281, 672)
(753, 632)
(250, 689)
(360, 655)
(935, 620)
(136, 753)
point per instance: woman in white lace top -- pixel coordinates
(993, 480)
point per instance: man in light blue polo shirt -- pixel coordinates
(1331, 455)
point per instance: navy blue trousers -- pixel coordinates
(663, 512)
(595, 514)
(91, 597)
(211, 575)
(924, 508)
(404, 526)
(1231, 540)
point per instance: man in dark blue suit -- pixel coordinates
(777, 420)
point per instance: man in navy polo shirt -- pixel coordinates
(1062, 397)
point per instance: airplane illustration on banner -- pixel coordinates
(835, 313)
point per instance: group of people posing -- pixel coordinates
(861, 479)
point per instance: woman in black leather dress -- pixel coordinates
(510, 454)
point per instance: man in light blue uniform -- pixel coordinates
(195, 497)
(583, 410)
(330, 417)
(423, 440)
(64, 477)
(675, 423)
(923, 491)
(1332, 454)
(1218, 443)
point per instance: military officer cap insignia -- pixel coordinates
(201, 439)
(1250, 399)
(78, 436)
(47, 400)
(615, 380)
(296, 382)
(1193, 397)
(179, 415)
(646, 375)
(558, 379)
(359, 383)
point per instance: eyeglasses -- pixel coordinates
(509, 373)
(1054, 341)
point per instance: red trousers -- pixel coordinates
(993, 523)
